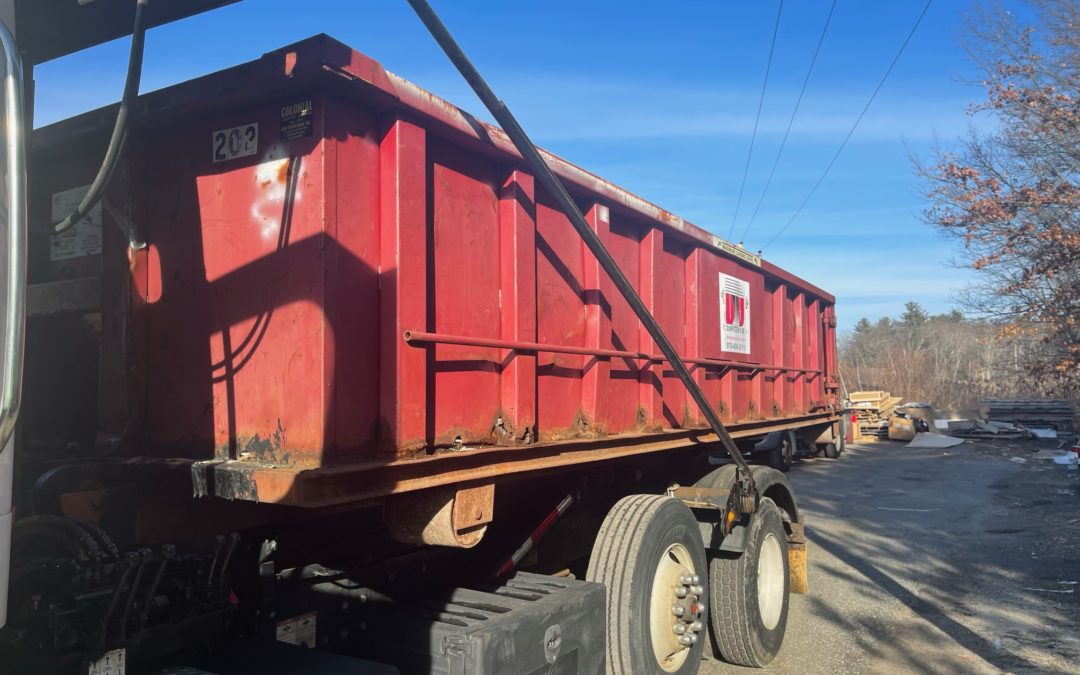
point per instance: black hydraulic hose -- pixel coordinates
(555, 188)
(119, 135)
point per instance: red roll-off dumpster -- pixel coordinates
(351, 288)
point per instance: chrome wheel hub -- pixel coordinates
(677, 608)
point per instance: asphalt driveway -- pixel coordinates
(936, 561)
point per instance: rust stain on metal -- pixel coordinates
(444, 516)
(344, 484)
(474, 507)
(270, 449)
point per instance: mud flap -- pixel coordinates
(798, 570)
(798, 566)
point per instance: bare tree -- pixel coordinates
(945, 360)
(1012, 196)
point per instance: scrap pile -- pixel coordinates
(872, 411)
(984, 430)
(1051, 413)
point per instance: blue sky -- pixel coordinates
(660, 98)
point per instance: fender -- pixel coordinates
(707, 499)
(769, 441)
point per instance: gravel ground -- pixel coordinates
(936, 561)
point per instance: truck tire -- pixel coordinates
(781, 457)
(648, 552)
(750, 592)
(830, 450)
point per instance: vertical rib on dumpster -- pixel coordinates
(517, 255)
(404, 300)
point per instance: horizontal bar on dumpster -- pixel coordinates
(414, 338)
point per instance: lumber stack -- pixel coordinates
(1052, 413)
(872, 411)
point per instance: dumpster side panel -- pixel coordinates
(465, 258)
(269, 313)
(241, 246)
(669, 302)
(624, 243)
(560, 319)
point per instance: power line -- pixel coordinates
(761, 101)
(853, 127)
(798, 101)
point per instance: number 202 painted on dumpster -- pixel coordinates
(236, 142)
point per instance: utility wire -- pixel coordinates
(761, 101)
(791, 121)
(853, 127)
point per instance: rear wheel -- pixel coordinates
(750, 593)
(651, 560)
(830, 450)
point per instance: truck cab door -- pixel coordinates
(13, 131)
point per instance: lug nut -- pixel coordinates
(686, 579)
(678, 610)
(699, 608)
(696, 626)
(697, 590)
(680, 591)
(679, 628)
(696, 580)
(687, 640)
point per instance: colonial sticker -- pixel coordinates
(85, 237)
(734, 314)
(297, 120)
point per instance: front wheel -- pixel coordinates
(651, 560)
(750, 593)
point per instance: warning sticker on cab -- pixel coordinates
(110, 663)
(734, 314)
(299, 630)
(85, 237)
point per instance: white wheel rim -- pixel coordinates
(673, 566)
(770, 581)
